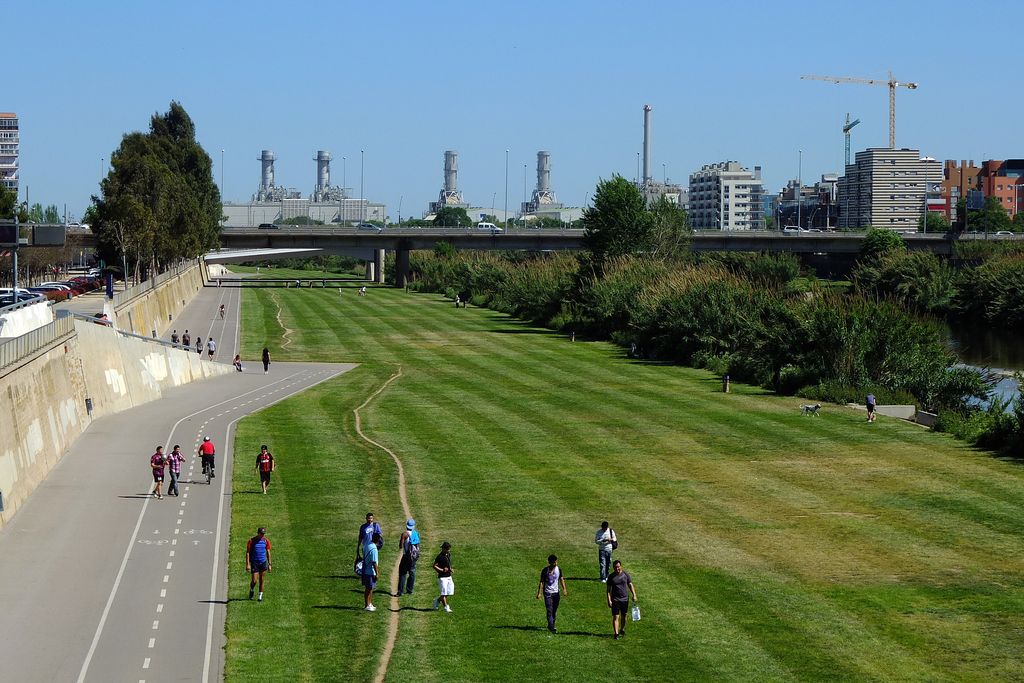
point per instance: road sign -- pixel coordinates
(48, 236)
(8, 234)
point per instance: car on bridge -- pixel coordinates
(1004, 233)
(369, 227)
(490, 227)
(269, 226)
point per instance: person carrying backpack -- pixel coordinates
(410, 545)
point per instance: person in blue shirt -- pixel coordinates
(257, 559)
(370, 572)
(410, 549)
(366, 532)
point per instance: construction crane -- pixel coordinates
(846, 131)
(892, 83)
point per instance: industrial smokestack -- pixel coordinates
(323, 170)
(647, 144)
(267, 178)
(451, 171)
(543, 171)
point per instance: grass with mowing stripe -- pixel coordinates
(764, 545)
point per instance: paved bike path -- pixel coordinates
(99, 581)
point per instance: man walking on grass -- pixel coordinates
(157, 463)
(620, 585)
(265, 464)
(257, 560)
(409, 546)
(606, 542)
(370, 572)
(443, 567)
(550, 580)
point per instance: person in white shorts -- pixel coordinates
(443, 567)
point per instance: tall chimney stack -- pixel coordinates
(543, 171)
(267, 163)
(451, 171)
(647, 144)
(323, 170)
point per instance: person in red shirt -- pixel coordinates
(157, 462)
(206, 452)
(265, 465)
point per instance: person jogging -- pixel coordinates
(257, 560)
(174, 461)
(211, 346)
(222, 305)
(265, 464)
(206, 452)
(157, 463)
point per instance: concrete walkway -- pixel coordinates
(99, 581)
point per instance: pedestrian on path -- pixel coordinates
(174, 461)
(199, 345)
(157, 463)
(257, 560)
(237, 362)
(174, 338)
(606, 543)
(366, 534)
(266, 360)
(871, 407)
(186, 340)
(445, 584)
(620, 585)
(265, 464)
(370, 571)
(550, 580)
(211, 346)
(410, 545)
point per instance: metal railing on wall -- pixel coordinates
(19, 348)
(149, 285)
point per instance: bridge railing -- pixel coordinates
(19, 348)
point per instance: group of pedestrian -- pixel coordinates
(618, 584)
(172, 462)
(184, 341)
(368, 545)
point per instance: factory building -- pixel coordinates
(327, 203)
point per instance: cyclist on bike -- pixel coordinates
(206, 453)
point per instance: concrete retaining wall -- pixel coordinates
(42, 412)
(155, 310)
(23, 320)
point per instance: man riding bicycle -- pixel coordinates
(206, 453)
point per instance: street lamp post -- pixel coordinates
(344, 190)
(222, 185)
(505, 215)
(362, 206)
(800, 188)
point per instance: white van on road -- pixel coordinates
(490, 227)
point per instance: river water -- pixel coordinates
(998, 350)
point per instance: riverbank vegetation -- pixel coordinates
(751, 316)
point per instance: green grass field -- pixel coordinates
(763, 545)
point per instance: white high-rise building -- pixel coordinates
(726, 196)
(9, 150)
(887, 188)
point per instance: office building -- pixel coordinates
(888, 188)
(9, 150)
(1003, 180)
(726, 196)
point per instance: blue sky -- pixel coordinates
(405, 81)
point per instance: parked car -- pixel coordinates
(490, 227)
(369, 227)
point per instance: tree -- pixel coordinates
(618, 223)
(992, 218)
(1018, 222)
(159, 202)
(880, 241)
(769, 222)
(9, 205)
(51, 215)
(933, 222)
(670, 229)
(454, 217)
(35, 213)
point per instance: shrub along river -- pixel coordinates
(999, 350)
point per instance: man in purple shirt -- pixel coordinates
(156, 463)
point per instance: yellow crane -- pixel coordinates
(892, 83)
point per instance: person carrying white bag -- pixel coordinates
(620, 585)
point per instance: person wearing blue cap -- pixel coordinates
(410, 545)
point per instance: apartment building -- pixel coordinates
(1003, 180)
(9, 150)
(726, 196)
(888, 188)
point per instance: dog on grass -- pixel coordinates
(810, 410)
